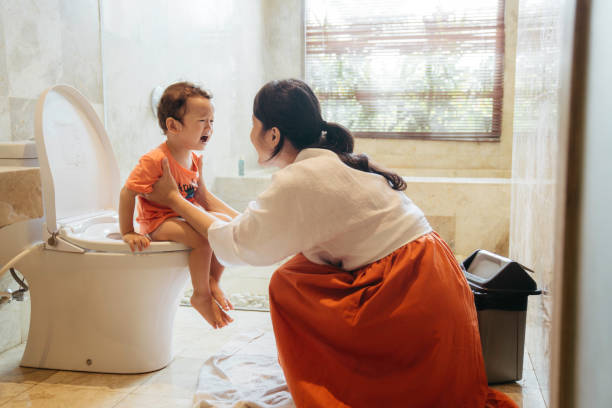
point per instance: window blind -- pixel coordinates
(408, 69)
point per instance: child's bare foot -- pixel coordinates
(208, 308)
(219, 296)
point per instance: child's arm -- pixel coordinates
(212, 203)
(208, 200)
(127, 201)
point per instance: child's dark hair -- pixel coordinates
(292, 107)
(173, 102)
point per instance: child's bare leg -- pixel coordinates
(202, 300)
(216, 269)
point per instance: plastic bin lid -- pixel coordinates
(489, 272)
(78, 170)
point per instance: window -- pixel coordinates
(428, 69)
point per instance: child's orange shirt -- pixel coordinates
(147, 172)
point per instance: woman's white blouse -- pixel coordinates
(319, 206)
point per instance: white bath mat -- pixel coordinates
(245, 374)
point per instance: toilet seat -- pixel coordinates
(100, 232)
(80, 176)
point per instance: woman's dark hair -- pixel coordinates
(292, 107)
(173, 102)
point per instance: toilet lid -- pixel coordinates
(78, 170)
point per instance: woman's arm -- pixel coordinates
(166, 193)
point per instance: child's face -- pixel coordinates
(197, 124)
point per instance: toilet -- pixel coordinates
(95, 306)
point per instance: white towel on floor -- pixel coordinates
(245, 374)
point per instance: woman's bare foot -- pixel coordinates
(210, 310)
(219, 296)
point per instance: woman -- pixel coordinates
(374, 310)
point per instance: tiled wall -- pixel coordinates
(535, 161)
(43, 43)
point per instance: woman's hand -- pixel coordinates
(165, 191)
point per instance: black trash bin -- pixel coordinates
(500, 287)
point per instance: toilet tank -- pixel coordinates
(18, 154)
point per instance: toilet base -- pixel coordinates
(102, 312)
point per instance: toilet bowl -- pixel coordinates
(95, 306)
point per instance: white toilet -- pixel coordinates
(95, 306)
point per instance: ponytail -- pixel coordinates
(339, 140)
(292, 107)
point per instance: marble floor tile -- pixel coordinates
(125, 383)
(178, 380)
(200, 341)
(11, 372)
(526, 392)
(10, 390)
(187, 316)
(528, 381)
(61, 396)
(528, 398)
(153, 401)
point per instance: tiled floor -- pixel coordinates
(172, 387)
(526, 392)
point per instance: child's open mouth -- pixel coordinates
(204, 139)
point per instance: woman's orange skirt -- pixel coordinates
(400, 332)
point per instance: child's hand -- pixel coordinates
(136, 240)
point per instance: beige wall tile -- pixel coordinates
(3, 71)
(481, 210)
(5, 120)
(21, 111)
(21, 194)
(80, 47)
(284, 39)
(32, 31)
(535, 160)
